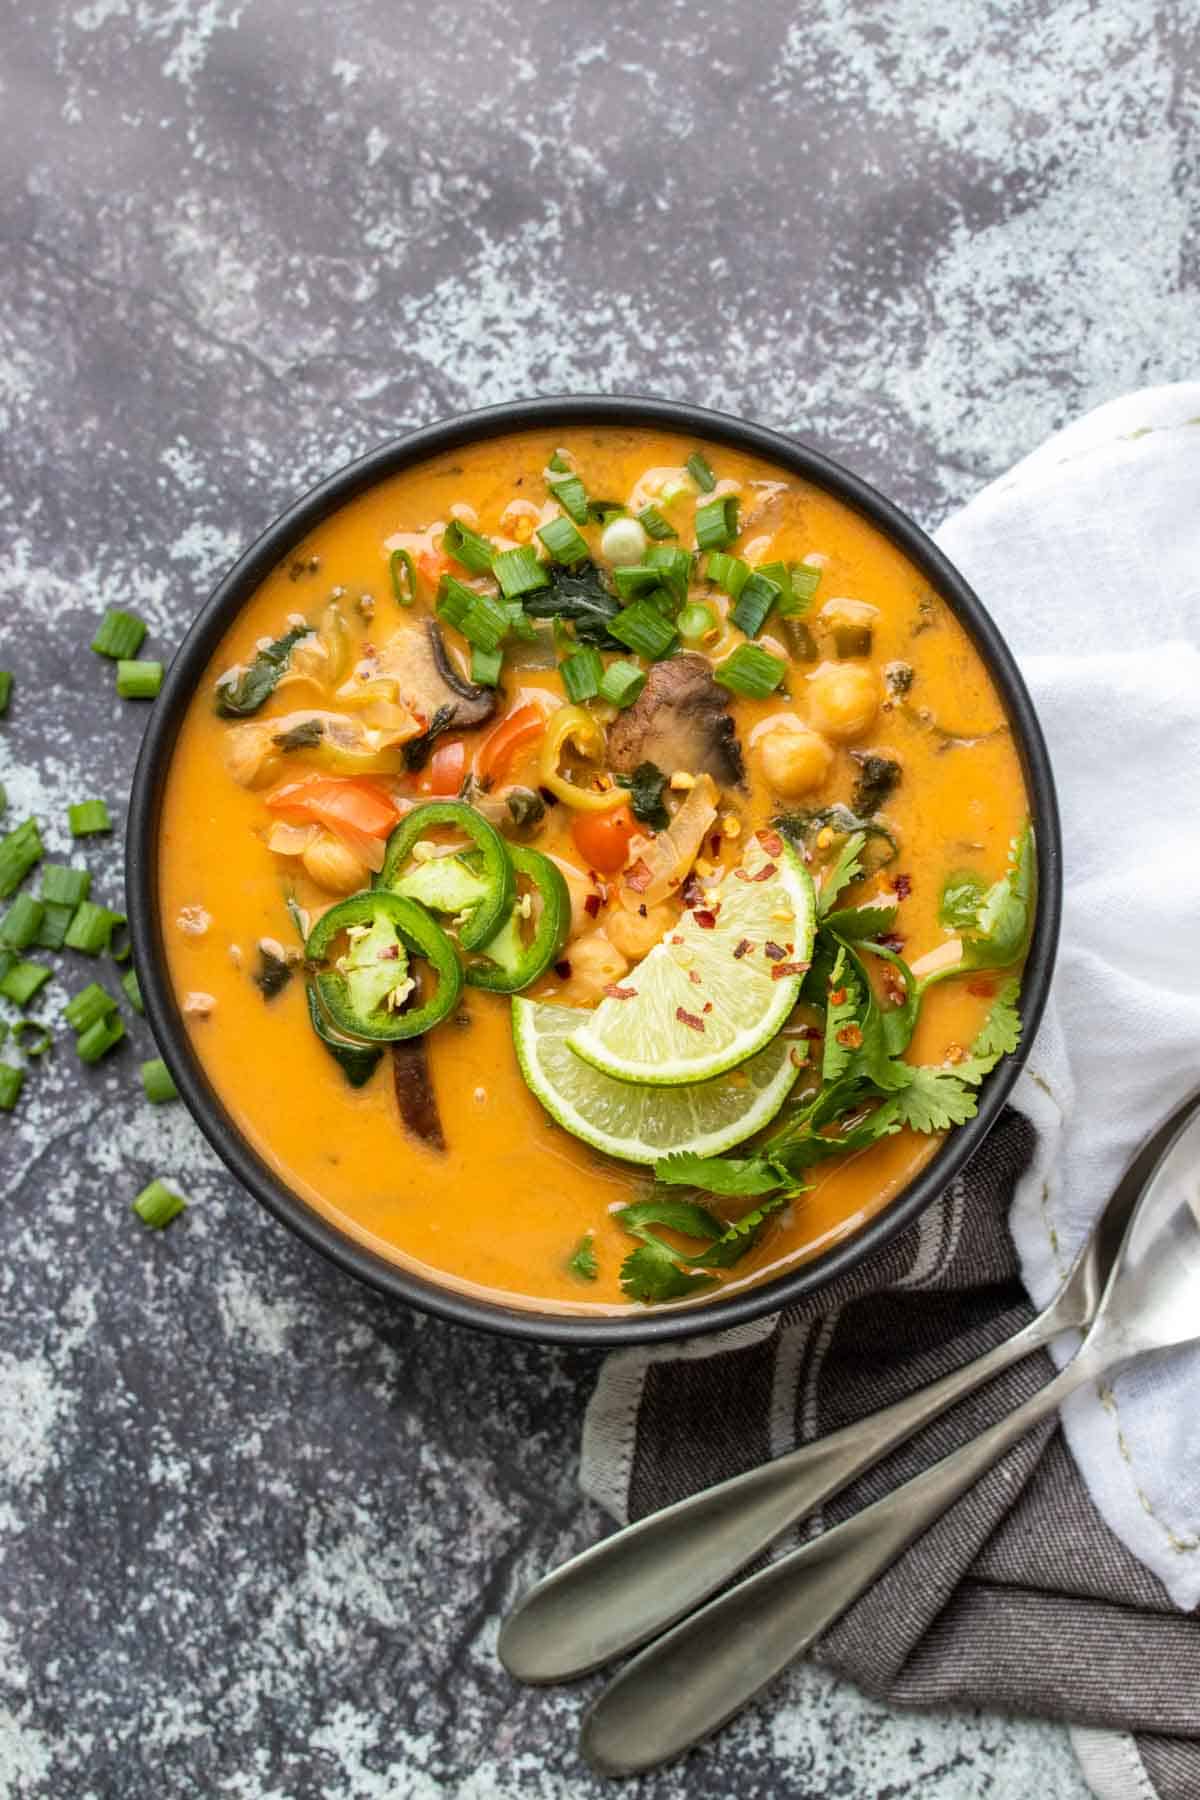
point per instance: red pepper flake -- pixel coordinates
(692, 893)
(708, 1006)
(779, 970)
(741, 875)
(743, 947)
(675, 938)
(766, 872)
(705, 919)
(851, 1037)
(639, 877)
(692, 1019)
(563, 969)
(983, 990)
(389, 953)
(771, 842)
(619, 993)
(692, 976)
(591, 905)
(715, 844)
(775, 952)
(837, 996)
(902, 886)
(642, 913)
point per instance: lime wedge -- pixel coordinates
(719, 985)
(641, 1124)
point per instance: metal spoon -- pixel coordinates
(634, 1584)
(704, 1671)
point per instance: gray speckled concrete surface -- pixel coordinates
(257, 1524)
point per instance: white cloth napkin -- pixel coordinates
(1087, 554)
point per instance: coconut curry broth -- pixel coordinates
(504, 1204)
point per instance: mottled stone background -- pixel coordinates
(257, 1524)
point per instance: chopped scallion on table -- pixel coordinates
(751, 671)
(56, 922)
(156, 1205)
(92, 927)
(701, 474)
(119, 634)
(22, 981)
(99, 1038)
(89, 1004)
(621, 683)
(133, 992)
(65, 886)
(88, 816)
(18, 853)
(139, 680)
(22, 922)
(39, 1040)
(156, 1082)
(5, 690)
(12, 1080)
(717, 523)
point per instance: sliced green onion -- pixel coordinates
(12, 1080)
(621, 683)
(520, 625)
(56, 922)
(133, 992)
(89, 1004)
(695, 622)
(486, 666)
(582, 674)
(18, 853)
(403, 572)
(139, 680)
(728, 572)
(5, 690)
(563, 541)
(558, 462)
(92, 928)
(40, 1040)
(485, 623)
(570, 492)
(99, 1038)
(519, 571)
(22, 922)
(701, 474)
(119, 634)
(674, 567)
(88, 816)
(3, 797)
(717, 523)
(751, 671)
(754, 603)
(22, 981)
(644, 629)
(65, 886)
(632, 580)
(156, 1082)
(654, 525)
(803, 584)
(156, 1205)
(454, 600)
(470, 548)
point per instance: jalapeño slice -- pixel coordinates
(356, 993)
(495, 870)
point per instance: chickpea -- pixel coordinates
(632, 935)
(595, 961)
(334, 867)
(794, 760)
(843, 698)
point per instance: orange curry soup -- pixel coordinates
(883, 717)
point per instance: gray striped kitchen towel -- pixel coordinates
(1020, 1599)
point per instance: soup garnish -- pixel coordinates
(650, 873)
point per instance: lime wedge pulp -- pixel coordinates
(637, 1123)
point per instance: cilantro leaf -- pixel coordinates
(857, 922)
(998, 1036)
(646, 786)
(582, 1261)
(650, 1273)
(677, 1215)
(842, 873)
(805, 1142)
(998, 936)
(962, 893)
(933, 1100)
(740, 1236)
(727, 1175)
(242, 691)
(846, 1006)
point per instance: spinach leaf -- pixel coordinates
(646, 786)
(877, 776)
(580, 594)
(239, 695)
(304, 736)
(273, 973)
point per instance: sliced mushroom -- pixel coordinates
(679, 721)
(431, 685)
(414, 1092)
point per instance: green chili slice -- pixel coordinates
(415, 931)
(512, 964)
(496, 871)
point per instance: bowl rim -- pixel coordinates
(572, 411)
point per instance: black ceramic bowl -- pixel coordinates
(142, 886)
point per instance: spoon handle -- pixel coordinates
(704, 1671)
(637, 1582)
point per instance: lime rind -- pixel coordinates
(643, 1123)
(709, 997)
